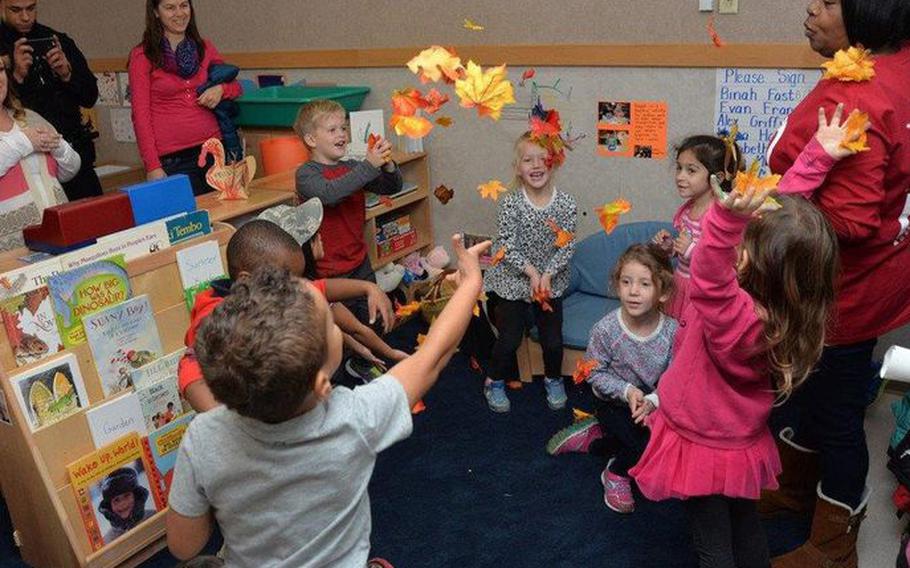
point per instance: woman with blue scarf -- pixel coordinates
(170, 118)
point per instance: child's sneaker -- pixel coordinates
(575, 438)
(556, 393)
(495, 393)
(362, 369)
(617, 491)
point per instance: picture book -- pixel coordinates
(188, 225)
(198, 266)
(51, 391)
(137, 242)
(123, 337)
(112, 490)
(30, 326)
(85, 290)
(31, 277)
(161, 451)
(160, 402)
(115, 419)
(5, 415)
(162, 368)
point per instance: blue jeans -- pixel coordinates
(186, 162)
(831, 409)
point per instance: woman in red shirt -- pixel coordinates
(865, 198)
(171, 121)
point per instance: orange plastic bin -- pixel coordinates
(282, 154)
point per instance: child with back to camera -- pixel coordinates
(631, 346)
(533, 265)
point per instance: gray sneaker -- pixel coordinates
(495, 393)
(556, 393)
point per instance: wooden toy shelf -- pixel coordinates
(48, 525)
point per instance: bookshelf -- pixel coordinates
(43, 507)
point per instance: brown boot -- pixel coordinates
(798, 479)
(832, 542)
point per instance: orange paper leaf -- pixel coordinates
(712, 32)
(498, 257)
(406, 102)
(419, 407)
(411, 126)
(515, 385)
(853, 64)
(436, 64)
(372, 140)
(542, 297)
(609, 214)
(488, 91)
(563, 237)
(386, 200)
(857, 122)
(434, 101)
(444, 194)
(751, 179)
(583, 370)
(403, 311)
(470, 25)
(491, 189)
(444, 121)
(420, 339)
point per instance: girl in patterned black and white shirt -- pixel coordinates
(530, 219)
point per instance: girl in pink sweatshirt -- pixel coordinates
(760, 291)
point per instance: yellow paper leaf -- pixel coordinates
(580, 415)
(436, 64)
(411, 126)
(444, 121)
(491, 189)
(852, 64)
(470, 25)
(610, 212)
(857, 122)
(403, 311)
(751, 179)
(488, 90)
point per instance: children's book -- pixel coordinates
(137, 242)
(84, 291)
(160, 403)
(123, 337)
(161, 451)
(22, 280)
(30, 326)
(363, 124)
(112, 490)
(114, 419)
(162, 368)
(198, 266)
(51, 391)
(188, 225)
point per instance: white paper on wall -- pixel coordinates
(122, 125)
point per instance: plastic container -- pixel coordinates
(282, 154)
(278, 106)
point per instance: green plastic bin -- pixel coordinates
(278, 106)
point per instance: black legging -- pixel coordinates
(511, 318)
(727, 532)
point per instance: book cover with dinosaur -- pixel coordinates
(84, 291)
(123, 338)
(50, 392)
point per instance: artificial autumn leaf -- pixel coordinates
(436, 63)
(470, 25)
(712, 32)
(403, 311)
(751, 179)
(444, 194)
(411, 126)
(563, 237)
(406, 102)
(386, 201)
(852, 64)
(372, 140)
(488, 90)
(491, 189)
(434, 101)
(542, 297)
(856, 124)
(545, 128)
(498, 257)
(578, 415)
(609, 214)
(444, 121)
(583, 370)
(480, 299)
(420, 339)
(418, 407)
(515, 385)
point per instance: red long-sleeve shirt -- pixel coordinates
(166, 116)
(865, 197)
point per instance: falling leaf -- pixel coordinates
(563, 237)
(437, 64)
(491, 189)
(853, 64)
(857, 123)
(444, 194)
(515, 385)
(583, 370)
(578, 415)
(444, 121)
(411, 126)
(528, 74)
(609, 214)
(712, 31)
(498, 257)
(372, 141)
(420, 339)
(403, 311)
(386, 201)
(751, 179)
(488, 90)
(470, 25)
(419, 407)
(542, 297)
(434, 101)
(406, 102)
(549, 127)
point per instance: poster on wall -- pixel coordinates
(758, 101)
(632, 129)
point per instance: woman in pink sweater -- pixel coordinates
(171, 121)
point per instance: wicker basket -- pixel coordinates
(436, 297)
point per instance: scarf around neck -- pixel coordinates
(184, 61)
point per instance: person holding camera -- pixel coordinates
(52, 77)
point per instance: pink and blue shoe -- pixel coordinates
(617, 491)
(575, 438)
